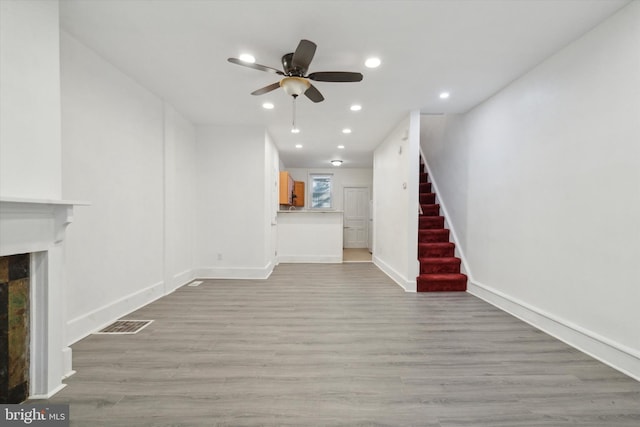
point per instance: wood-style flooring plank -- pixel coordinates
(331, 344)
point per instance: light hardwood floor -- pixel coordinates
(338, 344)
(356, 255)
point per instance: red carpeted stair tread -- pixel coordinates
(425, 187)
(433, 236)
(432, 250)
(439, 265)
(430, 209)
(423, 177)
(430, 222)
(427, 198)
(441, 283)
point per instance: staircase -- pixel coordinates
(439, 268)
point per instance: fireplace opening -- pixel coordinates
(14, 328)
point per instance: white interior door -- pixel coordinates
(356, 217)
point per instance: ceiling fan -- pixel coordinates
(296, 81)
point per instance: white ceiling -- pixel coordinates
(179, 48)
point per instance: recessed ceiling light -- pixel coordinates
(444, 95)
(336, 162)
(346, 130)
(245, 57)
(356, 107)
(341, 147)
(295, 130)
(372, 62)
(298, 145)
(267, 106)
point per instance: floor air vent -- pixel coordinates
(125, 327)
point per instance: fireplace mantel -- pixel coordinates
(37, 227)
(55, 215)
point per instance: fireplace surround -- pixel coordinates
(37, 227)
(15, 304)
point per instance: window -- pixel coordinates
(321, 191)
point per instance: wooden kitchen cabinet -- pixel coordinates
(286, 188)
(298, 193)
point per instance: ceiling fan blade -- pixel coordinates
(266, 89)
(255, 66)
(335, 76)
(303, 55)
(314, 94)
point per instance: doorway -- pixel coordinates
(356, 224)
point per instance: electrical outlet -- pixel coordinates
(219, 257)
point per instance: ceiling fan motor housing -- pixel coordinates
(289, 69)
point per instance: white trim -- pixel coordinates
(97, 319)
(314, 259)
(181, 279)
(403, 282)
(37, 227)
(234, 272)
(67, 362)
(55, 202)
(609, 352)
(47, 395)
(39, 308)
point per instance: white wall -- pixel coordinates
(395, 203)
(450, 174)
(550, 167)
(30, 148)
(114, 157)
(310, 237)
(180, 195)
(232, 218)
(342, 177)
(271, 197)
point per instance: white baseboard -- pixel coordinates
(603, 349)
(86, 324)
(403, 282)
(182, 279)
(48, 395)
(313, 259)
(234, 272)
(67, 362)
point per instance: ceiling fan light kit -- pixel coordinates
(294, 86)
